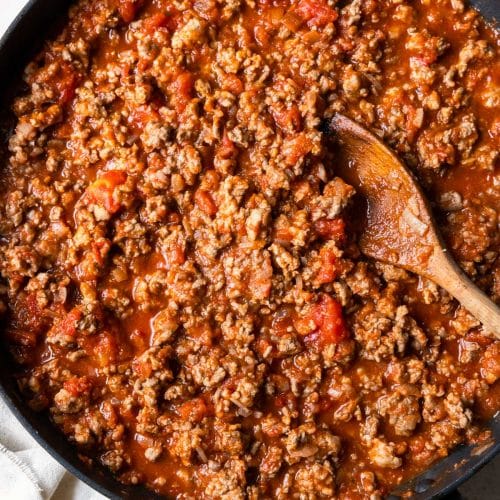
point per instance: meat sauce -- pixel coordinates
(181, 284)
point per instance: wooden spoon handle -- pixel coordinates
(449, 276)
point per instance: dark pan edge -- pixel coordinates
(37, 16)
(17, 412)
(53, 441)
(446, 475)
(489, 9)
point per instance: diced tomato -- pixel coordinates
(288, 119)
(316, 12)
(62, 83)
(152, 23)
(331, 229)
(227, 149)
(63, 131)
(173, 17)
(194, 410)
(142, 115)
(142, 368)
(106, 350)
(283, 234)
(298, 148)
(328, 271)
(175, 255)
(232, 84)
(100, 249)
(78, 385)
(182, 88)
(66, 84)
(328, 318)
(67, 326)
(102, 191)
(205, 202)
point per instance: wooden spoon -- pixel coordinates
(399, 228)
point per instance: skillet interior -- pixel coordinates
(37, 21)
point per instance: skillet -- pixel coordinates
(24, 38)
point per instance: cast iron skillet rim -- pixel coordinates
(491, 11)
(51, 450)
(13, 25)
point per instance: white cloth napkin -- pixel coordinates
(27, 472)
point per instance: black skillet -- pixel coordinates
(18, 46)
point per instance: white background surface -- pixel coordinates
(8, 11)
(484, 486)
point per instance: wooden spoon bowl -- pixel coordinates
(399, 228)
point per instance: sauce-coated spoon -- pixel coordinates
(399, 228)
